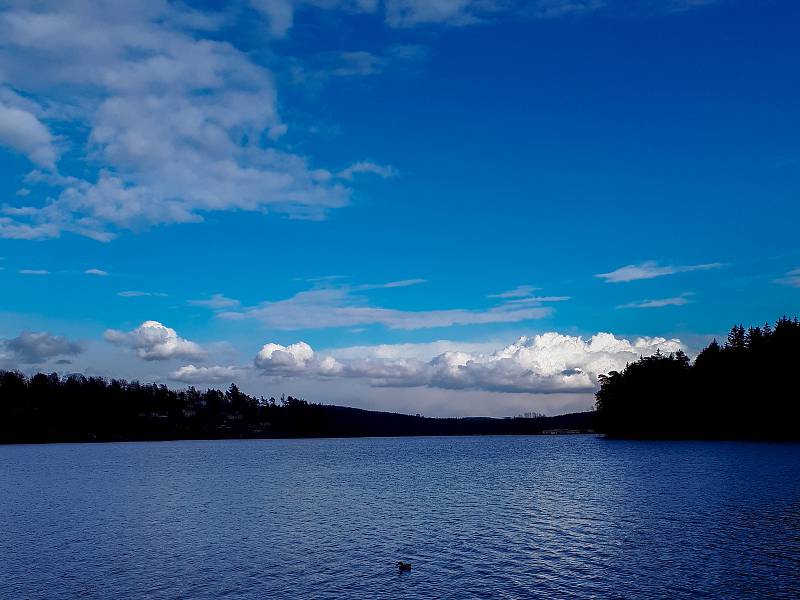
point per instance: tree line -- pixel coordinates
(75, 408)
(744, 388)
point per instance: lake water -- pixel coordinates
(478, 517)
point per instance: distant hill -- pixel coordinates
(49, 408)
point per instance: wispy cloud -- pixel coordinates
(391, 284)
(791, 278)
(384, 171)
(339, 307)
(650, 270)
(660, 302)
(96, 272)
(140, 294)
(518, 292)
(34, 272)
(216, 301)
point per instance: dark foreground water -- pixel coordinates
(479, 517)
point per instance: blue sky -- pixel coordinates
(335, 198)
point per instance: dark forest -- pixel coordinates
(742, 389)
(75, 408)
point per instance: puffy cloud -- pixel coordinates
(155, 341)
(545, 364)
(337, 307)
(651, 269)
(660, 302)
(31, 347)
(792, 278)
(275, 359)
(96, 272)
(25, 133)
(179, 122)
(192, 374)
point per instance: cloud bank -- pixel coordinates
(543, 364)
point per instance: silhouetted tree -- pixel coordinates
(75, 408)
(742, 390)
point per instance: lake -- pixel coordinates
(478, 517)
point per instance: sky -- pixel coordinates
(445, 207)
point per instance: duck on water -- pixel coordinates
(403, 566)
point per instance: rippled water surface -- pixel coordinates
(479, 517)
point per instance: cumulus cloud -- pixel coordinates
(544, 364)
(192, 374)
(791, 278)
(650, 270)
(338, 307)
(284, 360)
(24, 132)
(216, 301)
(179, 123)
(31, 347)
(96, 272)
(154, 341)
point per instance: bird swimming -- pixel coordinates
(403, 566)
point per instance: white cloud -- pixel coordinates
(391, 284)
(407, 13)
(23, 132)
(140, 294)
(275, 359)
(192, 374)
(538, 299)
(178, 122)
(651, 269)
(337, 307)
(660, 302)
(31, 347)
(34, 272)
(216, 301)
(521, 291)
(155, 341)
(96, 272)
(546, 363)
(550, 9)
(791, 278)
(367, 167)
